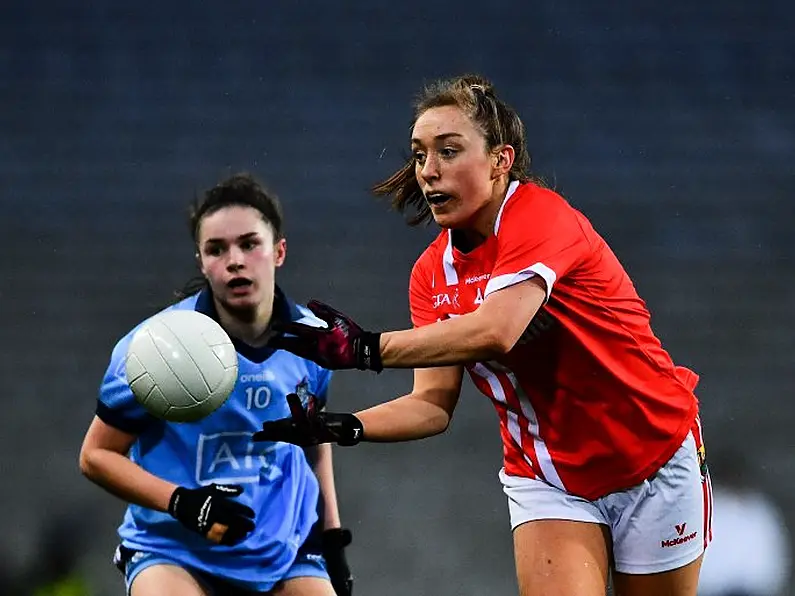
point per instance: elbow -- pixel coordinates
(87, 463)
(433, 419)
(440, 422)
(497, 342)
(505, 345)
(495, 336)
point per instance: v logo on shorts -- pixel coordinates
(680, 528)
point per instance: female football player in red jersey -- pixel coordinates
(603, 456)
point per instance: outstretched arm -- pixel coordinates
(488, 332)
(424, 412)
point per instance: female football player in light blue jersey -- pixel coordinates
(184, 481)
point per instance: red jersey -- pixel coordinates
(592, 404)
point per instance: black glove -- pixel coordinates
(199, 508)
(311, 426)
(334, 543)
(340, 345)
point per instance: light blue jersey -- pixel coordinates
(279, 484)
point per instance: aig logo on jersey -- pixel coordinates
(231, 457)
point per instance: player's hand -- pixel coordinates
(340, 345)
(334, 542)
(310, 426)
(211, 512)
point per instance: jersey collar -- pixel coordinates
(450, 274)
(511, 189)
(284, 310)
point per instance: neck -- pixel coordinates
(482, 224)
(488, 217)
(249, 326)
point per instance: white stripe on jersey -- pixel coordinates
(450, 274)
(490, 372)
(512, 418)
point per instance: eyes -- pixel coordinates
(216, 249)
(445, 153)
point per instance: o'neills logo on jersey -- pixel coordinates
(680, 539)
(476, 278)
(264, 376)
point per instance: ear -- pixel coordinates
(280, 252)
(198, 258)
(503, 160)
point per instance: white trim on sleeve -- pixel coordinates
(510, 279)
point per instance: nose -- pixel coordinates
(234, 260)
(430, 168)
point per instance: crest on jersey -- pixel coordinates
(302, 391)
(702, 463)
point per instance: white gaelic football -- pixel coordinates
(181, 365)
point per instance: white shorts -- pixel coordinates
(658, 525)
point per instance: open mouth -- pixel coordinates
(437, 198)
(239, 283)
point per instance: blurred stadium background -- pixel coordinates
(671, 125)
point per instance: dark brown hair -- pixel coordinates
(242, 190)
(499, 123)
(238, 190)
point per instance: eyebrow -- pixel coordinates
(247, 236)
(441, 137)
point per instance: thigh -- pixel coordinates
(308, 575)
(678, 582)
(163, 579)
(304, 586)
(562, 558)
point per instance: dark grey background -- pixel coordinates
(671, 125)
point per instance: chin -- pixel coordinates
(239, 304)
(448, 221)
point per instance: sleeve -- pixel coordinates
(421, 296)
(538, 234)
(321, 385)
(117, 405)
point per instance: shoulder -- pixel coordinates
(533, 210)
(431, 256)
(529, 199)
(120, 349)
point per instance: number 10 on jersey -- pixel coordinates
(258, 397)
